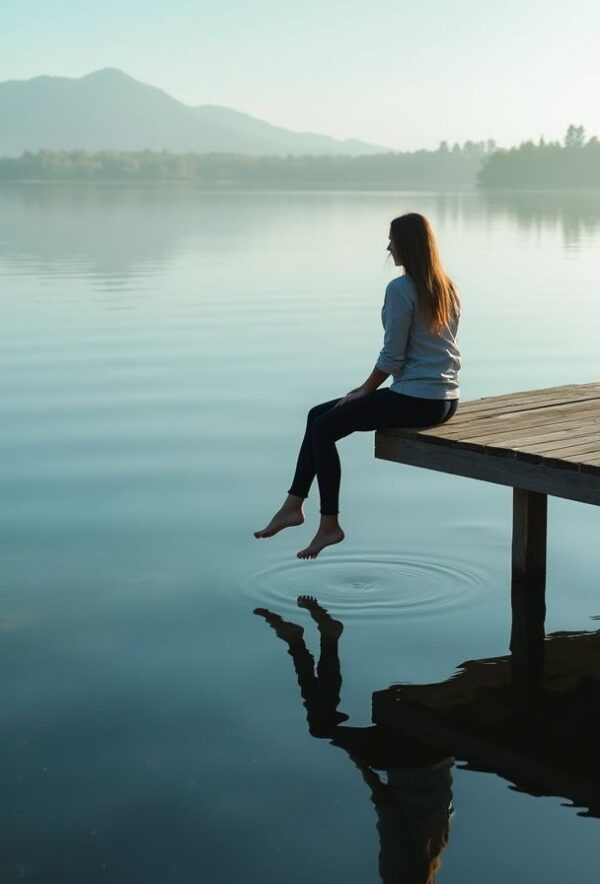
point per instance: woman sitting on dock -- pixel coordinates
(420, 317)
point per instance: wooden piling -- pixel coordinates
(530, 509)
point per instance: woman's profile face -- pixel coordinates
(392, 250)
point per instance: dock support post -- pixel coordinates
(530, 511)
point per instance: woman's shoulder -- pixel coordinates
(402, 286)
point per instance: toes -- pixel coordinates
(308, 553)
(306, 601)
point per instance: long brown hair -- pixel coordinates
(415, 245)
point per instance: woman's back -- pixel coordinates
(422, 363)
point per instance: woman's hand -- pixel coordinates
(353, 394)
(375, 379)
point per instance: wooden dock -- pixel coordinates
(539, 442)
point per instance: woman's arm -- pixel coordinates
(375, 380)
(398, 313)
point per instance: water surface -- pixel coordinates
(160, 350)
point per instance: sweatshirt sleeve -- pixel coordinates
(397, 317)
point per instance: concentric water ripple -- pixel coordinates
(369, 585)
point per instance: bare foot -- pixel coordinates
(324, 537)
(286, 517)
(327, 625)
(288, 632)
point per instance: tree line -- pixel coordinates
(547, 165)
(446, 166)
(573, 163)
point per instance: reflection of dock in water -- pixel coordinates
(532, 717)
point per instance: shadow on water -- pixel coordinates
(530, 717)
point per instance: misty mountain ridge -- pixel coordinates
(109, 110)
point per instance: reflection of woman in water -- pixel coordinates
(420, 316)
(414, 804)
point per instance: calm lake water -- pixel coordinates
(160, 350)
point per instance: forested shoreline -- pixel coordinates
(571, 164)
(446, 166)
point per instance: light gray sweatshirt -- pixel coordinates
(422, 364)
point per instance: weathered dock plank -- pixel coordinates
(553, 395)
(536, 434)
(561, 417)
(548, 415)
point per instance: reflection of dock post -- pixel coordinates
(528, 594)
(529, 538)
(527, 644)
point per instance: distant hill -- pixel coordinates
(109, 110)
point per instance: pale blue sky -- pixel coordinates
(397, 73)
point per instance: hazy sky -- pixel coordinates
(397, 73)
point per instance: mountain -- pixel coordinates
(109, 110)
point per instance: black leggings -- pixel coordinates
(374, 411)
